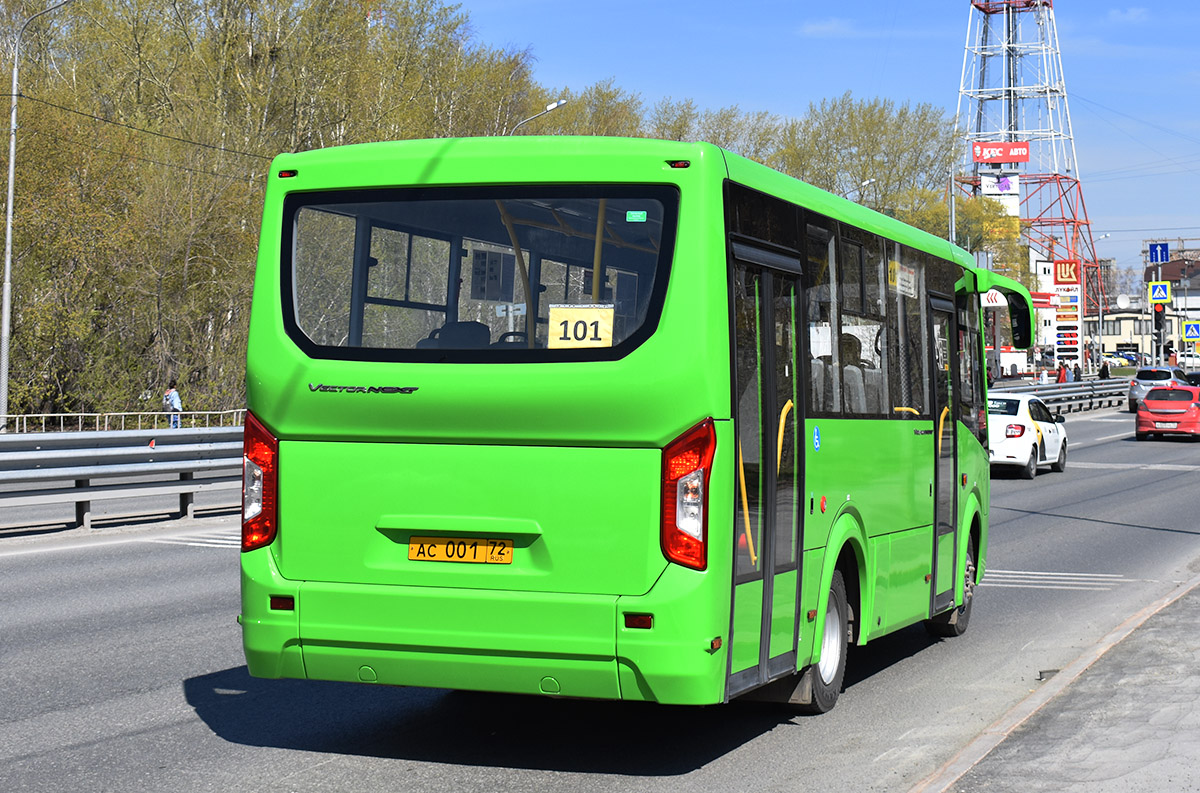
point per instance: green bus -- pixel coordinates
(596, 417)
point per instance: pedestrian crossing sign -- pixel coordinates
(1160, 291)
(1191, 331)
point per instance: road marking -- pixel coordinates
(1139, 466)
(1035, 579)
(223, 538)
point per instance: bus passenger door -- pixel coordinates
(945, 410)
(768, 411)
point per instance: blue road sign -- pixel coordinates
(1160, 291)
(1160, 253)
(1191, 331)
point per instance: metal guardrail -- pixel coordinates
(1087, 395)
(35, 455)
(78, 422)
(163, 461)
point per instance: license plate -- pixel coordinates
(472, 550)
(1165, 425)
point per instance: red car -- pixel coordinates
(1169, 410)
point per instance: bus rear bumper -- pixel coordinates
(518, 642)
(556, 644)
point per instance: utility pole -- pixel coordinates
(6, 313)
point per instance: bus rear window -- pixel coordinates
(548, 273)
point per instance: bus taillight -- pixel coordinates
(687, 464)
(260, 485)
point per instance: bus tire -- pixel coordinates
(828, 673)
(954, 622)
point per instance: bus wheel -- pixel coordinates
(954, 622)
(827, 675)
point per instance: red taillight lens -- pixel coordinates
(687, 465)
(1014, 430)
(260, 485)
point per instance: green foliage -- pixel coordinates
(871, 150)
(146, 127)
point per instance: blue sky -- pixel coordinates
(1131, 72)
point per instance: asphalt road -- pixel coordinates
(121, 667)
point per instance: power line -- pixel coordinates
(1169, 228)
(140, 129)
(134, 156)
(1143, 121)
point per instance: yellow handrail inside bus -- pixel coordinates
(597, 250)
(779, 446)
(746, 507)
(941, 425)
(512, 235)
(905, 408)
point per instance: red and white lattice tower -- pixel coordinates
(1013, 93)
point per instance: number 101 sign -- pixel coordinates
(581, 326)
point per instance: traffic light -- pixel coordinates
(1160, 317)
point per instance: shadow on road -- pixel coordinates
(471, 728)
(101, 522)
(886, 651)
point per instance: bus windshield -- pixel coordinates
(546, 272)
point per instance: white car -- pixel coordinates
(1188, 360)
(1023, 433)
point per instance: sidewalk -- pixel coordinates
(1126, 721)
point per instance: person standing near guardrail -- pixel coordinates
(172, 404)
(1078, 373)
(1062, 375)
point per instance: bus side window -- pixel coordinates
(406, 268)
(820, 291)
(970, 366)
(862, 338)
(907, 353)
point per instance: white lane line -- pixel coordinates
(209, 539)
(1138, 466)
(1036, 579)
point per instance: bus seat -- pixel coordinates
(464, 336)
(873, 382)
(430, 341)
(817, 392)
(856, 397)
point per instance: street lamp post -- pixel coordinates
(6, 318)
(1185, 282)
(858, 194)
(1100, 308)
(549, 107)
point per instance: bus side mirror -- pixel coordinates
(1022, 323)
